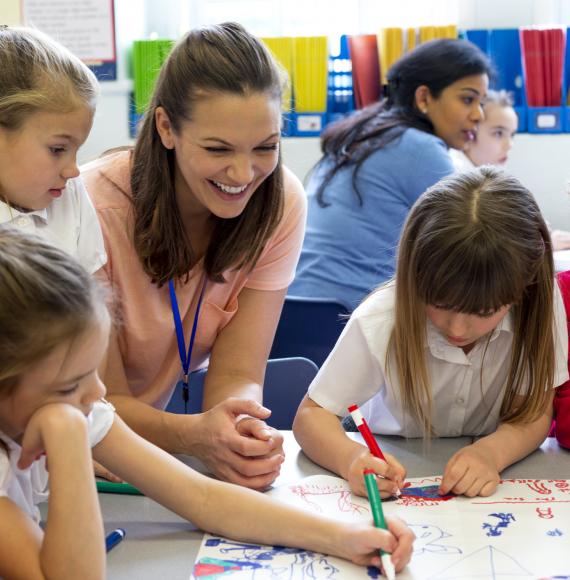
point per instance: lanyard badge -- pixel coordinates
(185, 357)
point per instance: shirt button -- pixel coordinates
(460, 400)
(22, 221)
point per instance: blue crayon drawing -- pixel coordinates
(497, 528)
(554, 532)
(256, 558)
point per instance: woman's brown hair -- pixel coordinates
(475, 242)
(219, 59)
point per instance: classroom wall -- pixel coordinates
(542, 162)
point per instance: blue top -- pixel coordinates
(349, 248)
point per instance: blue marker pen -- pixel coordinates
(114, 538)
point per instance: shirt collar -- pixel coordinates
(9, 213)
(440, 348)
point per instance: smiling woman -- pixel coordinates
(203, 225)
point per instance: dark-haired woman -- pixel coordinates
(202, 222)
(377, 162)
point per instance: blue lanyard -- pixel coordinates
(185, 357)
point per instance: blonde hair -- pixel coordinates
(46, 298)
(475, 242)
(39, 74)
(501, 98)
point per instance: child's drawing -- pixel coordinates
(487, 562)
(497, 527)
(457, 538)
(430, 540)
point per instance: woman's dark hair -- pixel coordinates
(435, 64)
(214, 60)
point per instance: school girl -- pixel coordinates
(54, 329)
(469, 339)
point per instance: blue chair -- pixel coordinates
(286, 382)
(309, 327)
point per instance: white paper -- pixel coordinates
(521, 531)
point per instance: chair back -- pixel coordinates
(309, 328)
(286, 383)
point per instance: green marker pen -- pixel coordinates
(379, 521)
(112, 487)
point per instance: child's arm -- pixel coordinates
(238, 512)
(475, 469)
(320, 434)
(73, 543)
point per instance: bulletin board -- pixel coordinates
(85, 27)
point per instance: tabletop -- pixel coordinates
(161, 545)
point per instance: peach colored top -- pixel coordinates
(145, 332)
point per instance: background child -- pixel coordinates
(494, 137)
(53, 334)
(47, 103)
(467, 340)
(562, 397)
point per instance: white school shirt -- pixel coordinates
(460, 161)
(69, 222)
(355, 373)
(29, 487)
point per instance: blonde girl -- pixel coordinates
(493, 139)
(47, 103)
(53, 334)
(467, 340)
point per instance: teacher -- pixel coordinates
(203, 228)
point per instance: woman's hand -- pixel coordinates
(245, 451)
(391, 473)
(470, 472)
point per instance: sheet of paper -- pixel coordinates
(522, 531)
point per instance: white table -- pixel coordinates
(160, 545)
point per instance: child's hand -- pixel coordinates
(392, 473)
(44, 422)
(470, 472)
(363, 543)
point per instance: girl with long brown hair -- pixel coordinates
(467, 340)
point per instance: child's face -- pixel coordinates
(67, 375)
(494, 136)
(463, 330)
(224, 153)
(456, 113)
(37, 159)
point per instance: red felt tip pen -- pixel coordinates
(365, 432)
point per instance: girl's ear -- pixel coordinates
(164, 127)
(422, 98)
